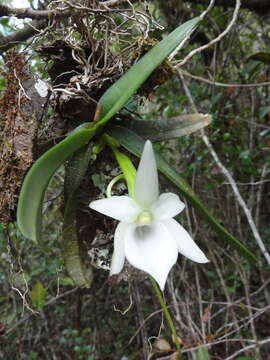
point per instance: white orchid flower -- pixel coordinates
(147, 234)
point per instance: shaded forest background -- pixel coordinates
(72, 57)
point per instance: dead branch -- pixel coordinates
(29, 30)
(22, 13)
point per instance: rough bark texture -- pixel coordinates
(21, 109)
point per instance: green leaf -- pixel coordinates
(128, 169)
(165, 129)
(29, 212)
(38, 295)
(74, 251)
(124, 162)
(263, 111)
(202, 354)
(66, 281)
(251, 69)
(119, 93)
(215, 98)
(261, 56)
(4, 21)
(100, 181)
(134, 143)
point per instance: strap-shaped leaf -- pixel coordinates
(29, 212)
(73, 248)
(134, 143)
(165, 129)
(119, 93)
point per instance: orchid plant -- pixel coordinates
(146, 220)
(147, 235)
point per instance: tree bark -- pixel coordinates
(21, 111)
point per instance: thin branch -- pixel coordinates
(217, 39)
(260, 182)
(233, 356)
(239, 198)
(257, 343)
(40, 20)
(216, 83)
(48, 303)
(259, 6)
(210, 6)
(230, 179)
(111, 2)
(237, 303)
(29, 30)
(202, 16)
(22, 13)
(259, 195)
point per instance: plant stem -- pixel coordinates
(111, 184)
(168, 317)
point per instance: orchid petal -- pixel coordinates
(151, 248)
(167, 206)
(121, 208)
(186, 245)
(118, 257)
(146, 185)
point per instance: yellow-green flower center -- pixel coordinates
(145, 217)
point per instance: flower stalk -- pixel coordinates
(112, 183)
(168, 317)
